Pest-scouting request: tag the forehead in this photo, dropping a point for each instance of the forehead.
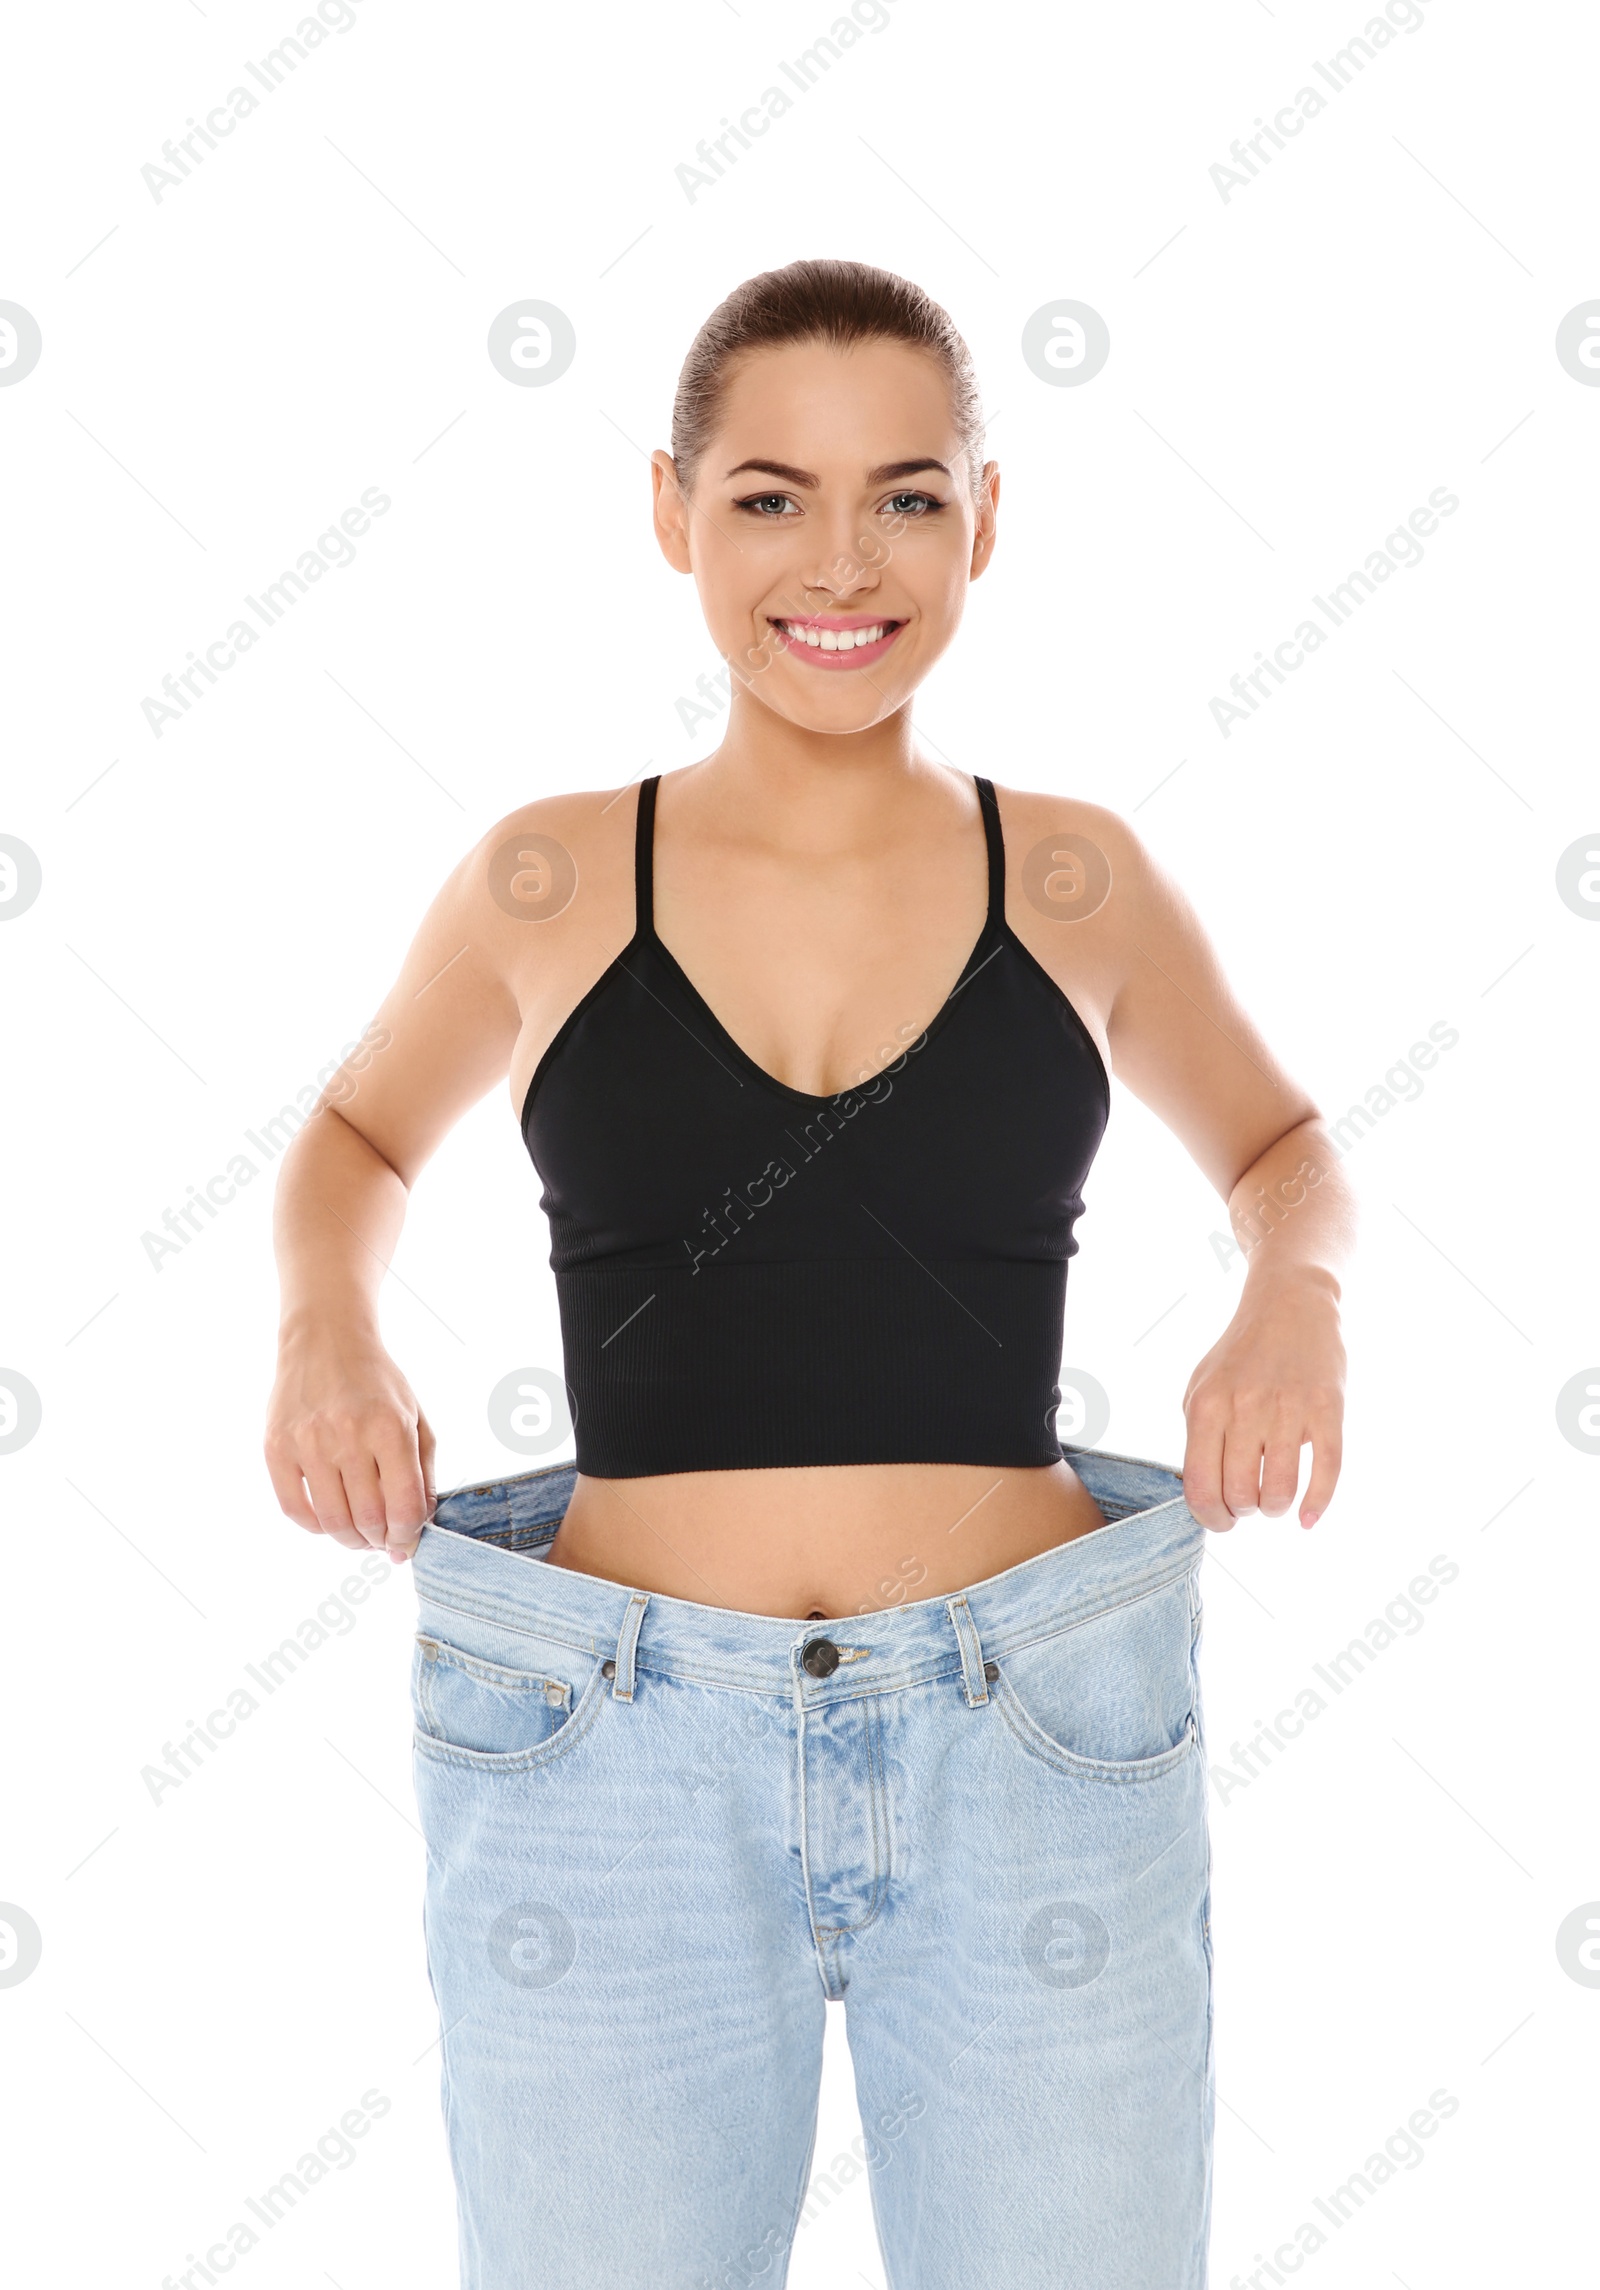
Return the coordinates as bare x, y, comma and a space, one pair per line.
826, 406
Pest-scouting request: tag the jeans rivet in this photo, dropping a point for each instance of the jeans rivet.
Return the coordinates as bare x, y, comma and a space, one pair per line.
608, 1669
991, 1671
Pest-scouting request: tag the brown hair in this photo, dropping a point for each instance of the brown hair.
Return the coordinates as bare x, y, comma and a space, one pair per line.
818, 301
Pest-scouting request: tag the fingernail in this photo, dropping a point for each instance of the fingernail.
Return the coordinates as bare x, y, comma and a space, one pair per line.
1310, 1518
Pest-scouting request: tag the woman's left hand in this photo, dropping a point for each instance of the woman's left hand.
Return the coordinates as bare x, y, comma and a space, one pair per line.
1273, 1380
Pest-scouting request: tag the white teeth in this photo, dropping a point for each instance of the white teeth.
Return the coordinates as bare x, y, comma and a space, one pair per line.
836, 639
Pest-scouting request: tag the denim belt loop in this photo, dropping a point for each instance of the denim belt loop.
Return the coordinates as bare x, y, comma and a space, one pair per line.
627, 1640
966, 1630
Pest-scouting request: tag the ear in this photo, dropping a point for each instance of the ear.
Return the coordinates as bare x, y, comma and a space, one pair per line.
670, 510
988, 508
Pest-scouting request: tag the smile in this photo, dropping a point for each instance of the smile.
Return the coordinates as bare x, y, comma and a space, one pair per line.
829, 642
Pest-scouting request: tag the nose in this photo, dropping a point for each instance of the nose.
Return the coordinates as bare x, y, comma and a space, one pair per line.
843, 567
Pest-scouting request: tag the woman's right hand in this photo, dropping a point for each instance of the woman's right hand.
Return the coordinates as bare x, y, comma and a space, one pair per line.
344, 1424
349, 1451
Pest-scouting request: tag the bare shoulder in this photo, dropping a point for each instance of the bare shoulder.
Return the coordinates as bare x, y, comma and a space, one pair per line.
1032, 819
583, 812
523, 921
561, 862
586, 826
1119, 934
1084, 892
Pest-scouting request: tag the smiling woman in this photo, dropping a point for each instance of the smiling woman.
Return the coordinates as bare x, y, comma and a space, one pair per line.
825, 309
811, 1289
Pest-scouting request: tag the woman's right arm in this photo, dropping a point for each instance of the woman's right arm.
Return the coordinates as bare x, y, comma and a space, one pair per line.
349, 1450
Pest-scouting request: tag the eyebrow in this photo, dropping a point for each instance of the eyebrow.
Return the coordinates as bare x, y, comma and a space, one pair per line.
879, 476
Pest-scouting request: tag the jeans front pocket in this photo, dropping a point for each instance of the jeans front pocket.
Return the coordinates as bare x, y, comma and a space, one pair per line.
1113, 1697
483, 1707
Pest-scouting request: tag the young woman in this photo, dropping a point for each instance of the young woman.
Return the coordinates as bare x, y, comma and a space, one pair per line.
826, 1672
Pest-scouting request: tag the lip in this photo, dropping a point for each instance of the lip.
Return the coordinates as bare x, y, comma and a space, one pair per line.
840, 663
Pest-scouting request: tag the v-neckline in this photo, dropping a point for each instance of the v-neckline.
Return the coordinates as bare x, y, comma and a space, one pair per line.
993, 925
771, 1081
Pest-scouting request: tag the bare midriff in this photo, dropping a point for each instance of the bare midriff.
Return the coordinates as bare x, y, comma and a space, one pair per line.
820, 1541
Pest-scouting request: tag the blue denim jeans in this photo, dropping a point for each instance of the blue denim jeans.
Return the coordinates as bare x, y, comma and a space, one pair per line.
663, 1836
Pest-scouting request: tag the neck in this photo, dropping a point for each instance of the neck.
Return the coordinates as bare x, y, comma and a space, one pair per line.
844, 780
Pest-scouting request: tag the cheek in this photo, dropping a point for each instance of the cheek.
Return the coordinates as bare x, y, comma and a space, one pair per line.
736, 565
728, 595
939, 590
934, 562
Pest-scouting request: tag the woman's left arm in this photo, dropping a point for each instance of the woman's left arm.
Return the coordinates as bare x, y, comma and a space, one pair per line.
1182, 1042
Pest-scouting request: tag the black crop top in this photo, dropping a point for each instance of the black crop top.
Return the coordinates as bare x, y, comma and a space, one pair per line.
749, 1275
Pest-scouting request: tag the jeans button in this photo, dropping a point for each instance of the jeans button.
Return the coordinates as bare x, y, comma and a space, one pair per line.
819, 1656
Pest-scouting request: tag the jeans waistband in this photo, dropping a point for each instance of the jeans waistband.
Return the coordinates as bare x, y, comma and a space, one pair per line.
482, 1555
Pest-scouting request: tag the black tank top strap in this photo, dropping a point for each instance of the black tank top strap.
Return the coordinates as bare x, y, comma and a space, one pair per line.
996, 842
643, 857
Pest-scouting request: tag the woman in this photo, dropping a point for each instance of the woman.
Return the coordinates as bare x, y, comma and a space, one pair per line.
826, 1673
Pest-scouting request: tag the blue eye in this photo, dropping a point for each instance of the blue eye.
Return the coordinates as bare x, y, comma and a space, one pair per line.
911, 504
759, 504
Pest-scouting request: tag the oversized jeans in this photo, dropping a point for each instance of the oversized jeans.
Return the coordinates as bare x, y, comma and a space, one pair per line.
662, 1837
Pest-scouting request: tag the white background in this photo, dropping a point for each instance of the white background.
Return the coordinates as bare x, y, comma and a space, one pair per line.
1292, 371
